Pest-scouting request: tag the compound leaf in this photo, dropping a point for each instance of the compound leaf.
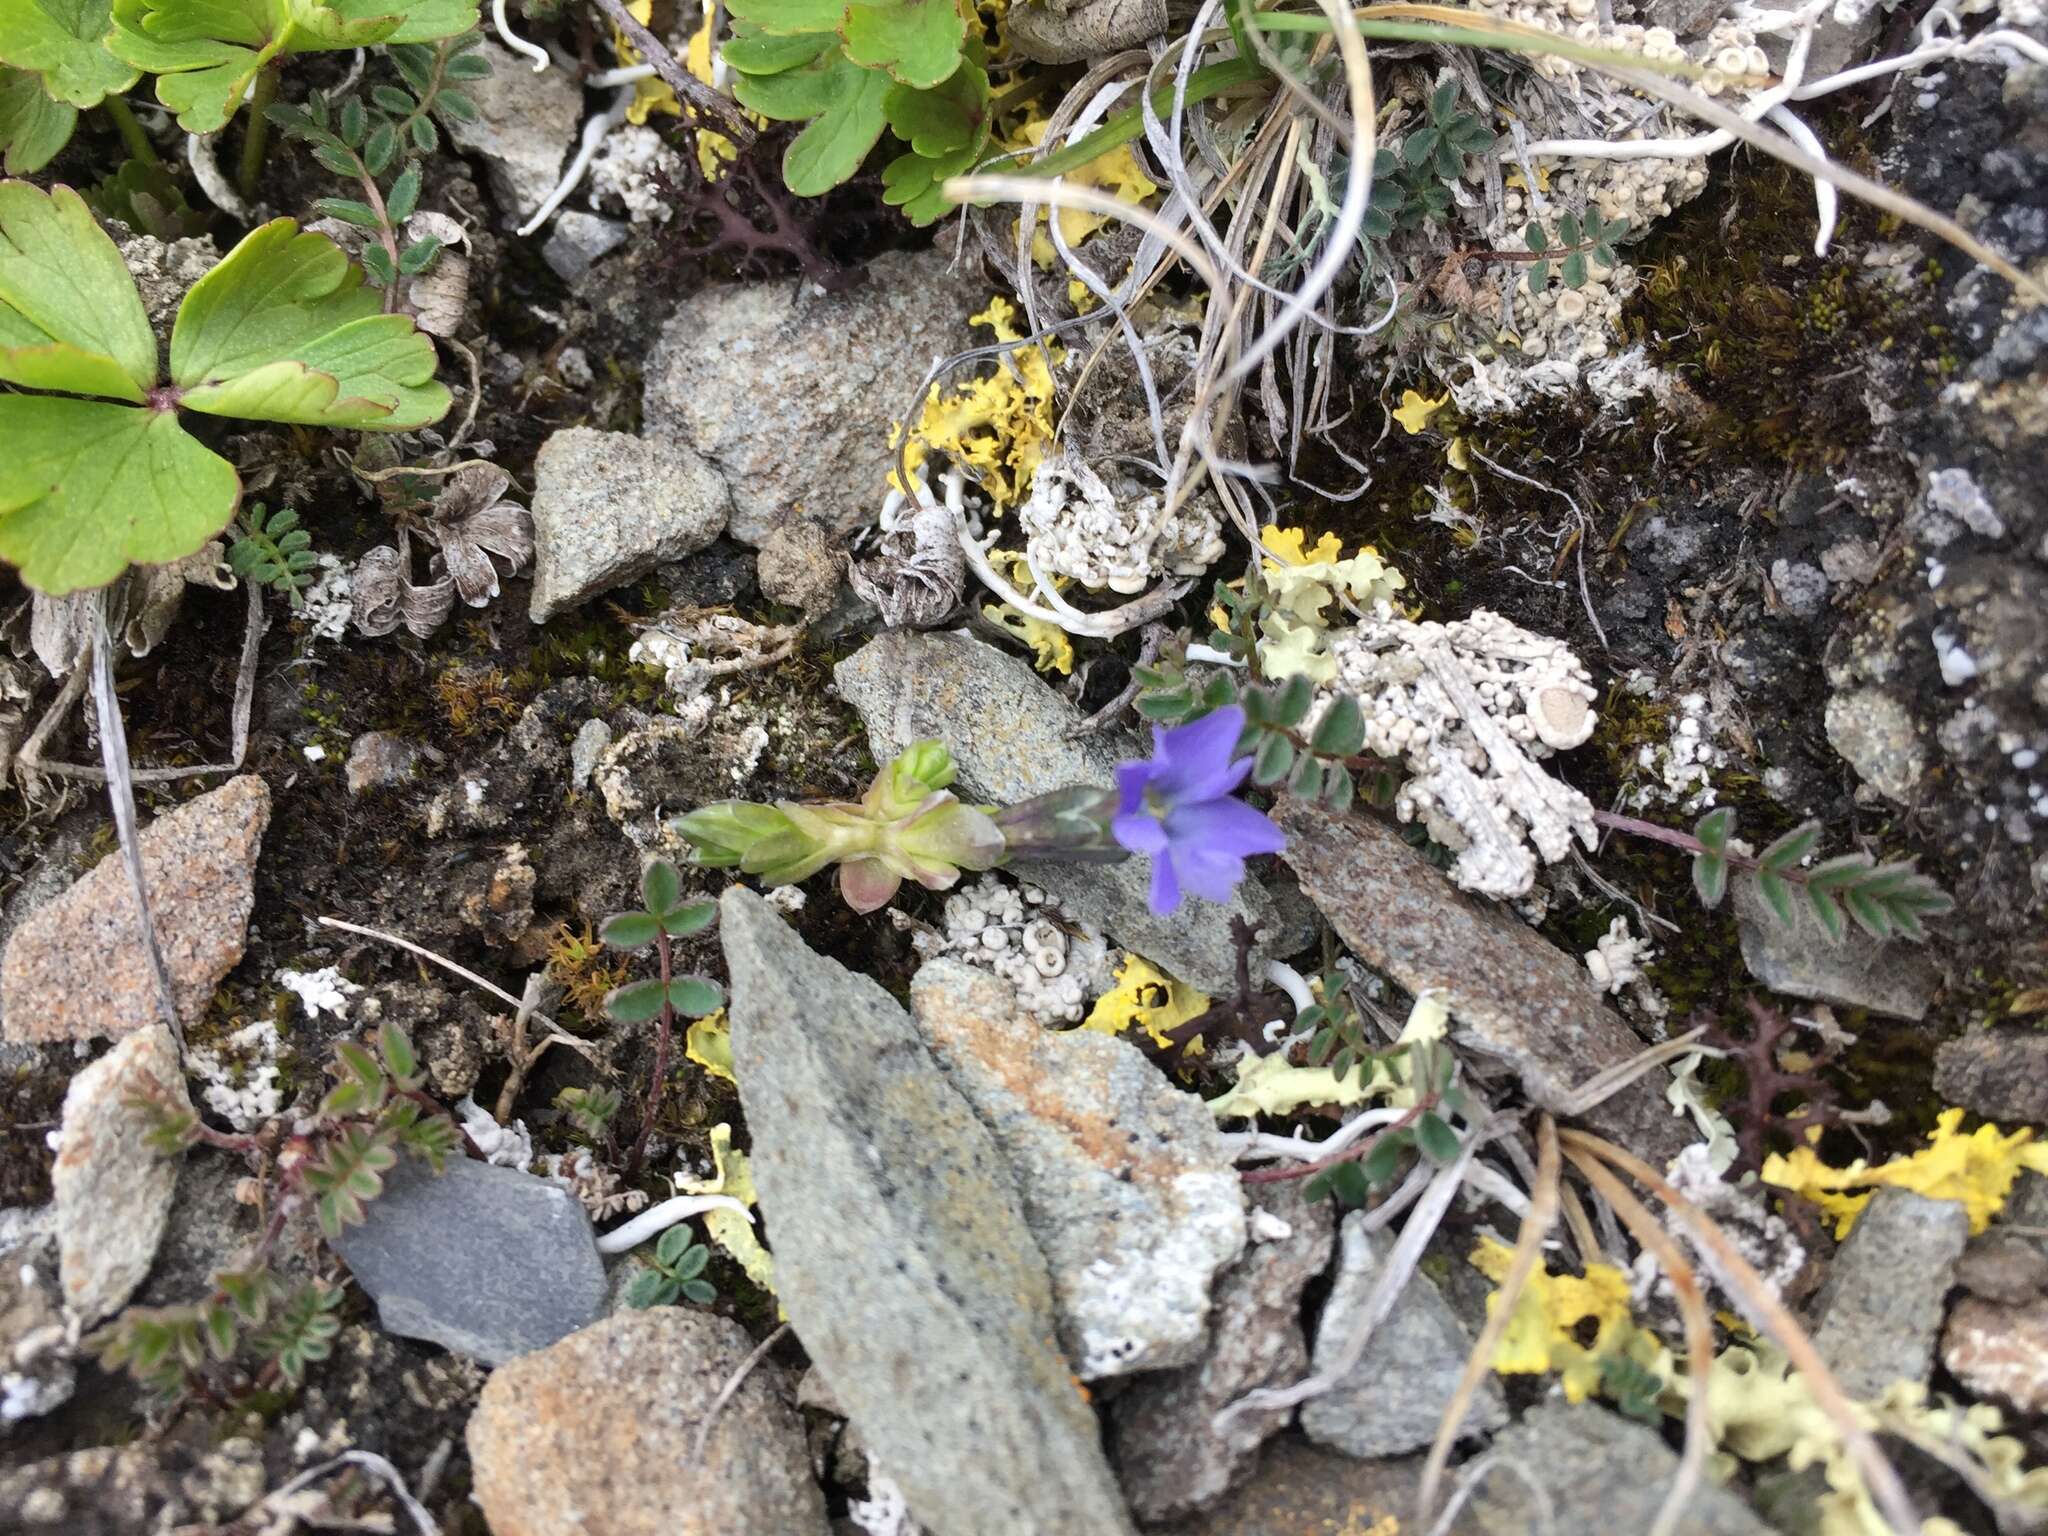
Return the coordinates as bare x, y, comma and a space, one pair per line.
70, 318
916, 41
284, 330
88, 488
61, 40
844, 102
944, 120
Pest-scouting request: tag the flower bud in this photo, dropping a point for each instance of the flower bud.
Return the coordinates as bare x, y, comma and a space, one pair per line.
721, 834
1071, 824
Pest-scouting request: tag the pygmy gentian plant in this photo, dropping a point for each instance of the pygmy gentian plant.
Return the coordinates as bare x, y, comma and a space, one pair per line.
1177, 809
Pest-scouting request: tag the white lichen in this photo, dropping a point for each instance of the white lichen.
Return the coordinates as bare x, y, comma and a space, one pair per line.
628, 172
323, 991
1679, 770
503, 1146
1471, 707
1121, 538
1057, 966
238, 1074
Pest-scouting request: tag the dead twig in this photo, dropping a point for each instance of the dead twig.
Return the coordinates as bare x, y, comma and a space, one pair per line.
731, 121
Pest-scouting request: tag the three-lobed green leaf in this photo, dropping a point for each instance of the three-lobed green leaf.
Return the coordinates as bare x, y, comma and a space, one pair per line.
64, 43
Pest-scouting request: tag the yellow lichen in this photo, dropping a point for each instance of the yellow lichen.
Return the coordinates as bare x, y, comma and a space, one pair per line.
1977, 1168
652, 95
1145, 996
1001, 425
709, 1044
1116, 173
1416, 409
1051, 650
1552, 1312
1305, 581
733, 1175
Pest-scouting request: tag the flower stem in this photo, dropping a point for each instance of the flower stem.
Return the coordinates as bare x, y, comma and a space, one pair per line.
256, 131
1685, 842
665, 1032
122, 116
387, 233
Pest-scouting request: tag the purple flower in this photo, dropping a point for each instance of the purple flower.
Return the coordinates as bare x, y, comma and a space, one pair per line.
1178, 811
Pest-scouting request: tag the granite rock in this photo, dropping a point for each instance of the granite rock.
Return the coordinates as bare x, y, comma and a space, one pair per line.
490, 1262
1513, 996
525, 126
1880, 1308
1011, 738
902, 1255
597, 1434
75, 967
1801, 960
1999, 1074
1126, 1183
608, 507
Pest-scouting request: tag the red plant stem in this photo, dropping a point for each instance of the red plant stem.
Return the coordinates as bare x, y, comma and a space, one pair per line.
1349, 1154
1671, 837
387, 232
661, 1044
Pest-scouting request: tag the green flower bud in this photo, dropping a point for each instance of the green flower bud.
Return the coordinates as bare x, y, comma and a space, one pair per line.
722, 834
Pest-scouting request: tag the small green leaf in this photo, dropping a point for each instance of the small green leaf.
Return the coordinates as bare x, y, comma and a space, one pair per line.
392, 99
1537, 278
1292, 705
762, 53
1573, 270
1868, 912
1338, 788
661, 886
635, 1003
1844, 869
1568, 228
1534, 238
948, 118
405, 194
468, 66
1437, 1141
629, 930
1714, 829
649, 1289
1306, 782
395, 1046
917, 41
1381, 1163
1341, 731
699, 1291
1775, 891
419, 256
426, 138
349, 211
674, 1242
694, 997
695, 917
1789, 851
844, 102
1710, 879
1824, 909
457, 104
1271, 762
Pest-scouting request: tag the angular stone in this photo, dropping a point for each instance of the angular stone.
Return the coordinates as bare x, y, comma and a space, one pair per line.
1299, 1489
486, 1261
792, 393
1011, 737
113, 1189
1602, 1473
1880, 1307
1801, 960
579, 241
2000, 1350
1389, 1403
1170, 1455
608, 507
1066, 34
1998, 1074
378, 759
1512, 995
1126, 1183
76, 967
598, 1434
901, 1250
525, 127
1873, 730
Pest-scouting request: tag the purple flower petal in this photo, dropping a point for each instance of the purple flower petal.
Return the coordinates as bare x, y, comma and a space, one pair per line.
1227, 826
1211, 873
1132, 780
1140, 831
1197, 761
1165, 887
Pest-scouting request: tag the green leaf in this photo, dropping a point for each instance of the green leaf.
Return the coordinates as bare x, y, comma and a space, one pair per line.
392, 99
1714, 829
1710, 879
1306, 782
1538, 276
284, 330
917, 41
1573, 271
1777, 893
695, 917
1568, 228
1338, 788
784, 18
457, 104
33, 128
419, 256
629, 930
944, 120
763, 53
1824, 909
88, 489
694, 997
1419, 146
1443, 101
395, 1046
1534, 238
70, 318
349, 211
1272, 760
699, 1291
672, 1245
1842, 870
1341, 731
1292, 705
1869, 913
1439, 1143
634, 1003
650, 1288
405, 194
661, 886
1168, 707
426, 138
354, 119
845, 103
1791, 849
62, 41
1380, 1164
381, 149
916, 183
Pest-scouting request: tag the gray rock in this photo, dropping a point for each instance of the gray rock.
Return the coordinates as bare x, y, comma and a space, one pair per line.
592, 737
1055, 32
1389, 1403
598, 1434
1169, 1454
1801, 959
901, 1251
1999, 1074
36, 1370
791, 393
2000, 1350
487, 1261
578, 242
378, 759
113, 1189
1873, 730
1010, 737
1512, 996
1126, 1183
1685, 18
609, 507
1299, 1489
1600, 1472
801, 567
75, 967
1880, 1308
1801, 587
525, 127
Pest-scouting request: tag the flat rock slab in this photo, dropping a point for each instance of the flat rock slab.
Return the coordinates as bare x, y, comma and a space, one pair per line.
1801, 960
1126, 1183
1171, 1456
1999, 1074
489, 1262
113, 1189
902, 1254
2000, 1349
1603, 1474
598, 1434
76, 966
1512, 995
1880, 1309
792, 393
1390, 1402
1011, 737
608, 507
525, 127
